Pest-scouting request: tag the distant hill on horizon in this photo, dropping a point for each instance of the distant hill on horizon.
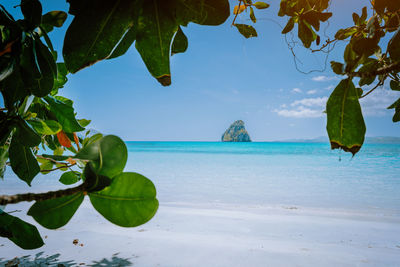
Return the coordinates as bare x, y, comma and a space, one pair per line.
368, 140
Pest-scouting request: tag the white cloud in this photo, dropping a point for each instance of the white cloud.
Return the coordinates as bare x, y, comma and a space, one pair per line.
330, 87
376, 103
296, 90
311, 92
304, 108
323, 78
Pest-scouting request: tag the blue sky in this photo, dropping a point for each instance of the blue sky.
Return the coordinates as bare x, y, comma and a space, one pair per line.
222, 77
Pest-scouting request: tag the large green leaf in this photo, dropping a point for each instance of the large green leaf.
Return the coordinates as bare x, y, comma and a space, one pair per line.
93, 181
32, 11
345, 124
23, 234
55, 213
25, 135
47, 127
156, 28
108, 155
203, 12
129, 201
22, 161
96, 30
65, 115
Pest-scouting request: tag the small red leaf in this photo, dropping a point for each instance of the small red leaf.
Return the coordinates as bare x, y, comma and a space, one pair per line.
63, 139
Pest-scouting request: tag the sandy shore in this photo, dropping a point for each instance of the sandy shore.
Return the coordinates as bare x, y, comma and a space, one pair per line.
224, 235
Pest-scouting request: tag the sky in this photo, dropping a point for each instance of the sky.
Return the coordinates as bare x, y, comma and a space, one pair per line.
222, 77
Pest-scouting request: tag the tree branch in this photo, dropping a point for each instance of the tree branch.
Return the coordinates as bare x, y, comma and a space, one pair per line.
12, 199
384, 70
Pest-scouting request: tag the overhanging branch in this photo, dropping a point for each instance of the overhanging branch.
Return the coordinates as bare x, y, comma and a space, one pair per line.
381, 71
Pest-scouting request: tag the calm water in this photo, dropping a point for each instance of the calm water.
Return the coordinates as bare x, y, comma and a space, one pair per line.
292, 174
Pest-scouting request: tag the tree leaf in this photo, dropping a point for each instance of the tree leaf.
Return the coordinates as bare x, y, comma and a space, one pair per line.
345, 124
65, 115
395, 85
180, 43
261, 5
153, 39
70, 177
252, 16
337, 67
246, 30
63, 139
239, 9
203, 12
108, 155
96, 30
32, 11
3, 160
23, 234
289, 26
25, 135
129, 201
54, 18
124, 44
55, 213
93, 181
46, 127
394, 46
23, 163
306, 34
396, 106
84, 122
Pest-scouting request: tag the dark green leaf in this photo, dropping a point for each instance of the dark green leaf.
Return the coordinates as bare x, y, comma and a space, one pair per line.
46, 127
26, 136
356, 18
23, 234
306, 34
204, 12
93, 181
289, 26
65, 115
252, 16
23, 162
345, 33
394, 46
96, 31
108, 155
261, 5
337, 67
395, 85
369, 65
129, 201
180, 43
32, 11
154, 38
396, 107
3, 160
125, 43
55, 213
363, 15
345, 124
246, 30
70, 177
54, 18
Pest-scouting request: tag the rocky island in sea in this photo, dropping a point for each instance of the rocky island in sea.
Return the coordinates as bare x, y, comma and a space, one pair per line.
236, 133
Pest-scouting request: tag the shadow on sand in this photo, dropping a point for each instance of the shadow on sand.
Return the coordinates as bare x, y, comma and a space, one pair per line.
39, 260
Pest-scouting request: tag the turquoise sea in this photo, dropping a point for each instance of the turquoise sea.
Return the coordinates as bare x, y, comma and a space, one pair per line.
270, 173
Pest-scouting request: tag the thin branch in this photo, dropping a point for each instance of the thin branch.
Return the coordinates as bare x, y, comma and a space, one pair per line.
12, 199
61, 167
380, 83
50, 159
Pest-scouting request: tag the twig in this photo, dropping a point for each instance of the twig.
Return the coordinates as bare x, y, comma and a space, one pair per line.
12, 199
61, 167
380, 83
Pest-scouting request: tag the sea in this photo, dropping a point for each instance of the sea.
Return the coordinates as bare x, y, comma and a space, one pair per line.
259, 173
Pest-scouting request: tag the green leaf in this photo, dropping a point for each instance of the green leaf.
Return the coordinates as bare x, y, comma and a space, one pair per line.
369, 65
180, 43
65, 115
345, 123
23, 162
125, 43
84, 122
46, 127
356, 18
55, 213
246, 30
363, 15
108, 155
396, 107
46, 166
394, 46
345, 33
23, 234
70, 177
61, 79
54, 18
289, 26
96, 31
261, 5
3, 159
93, 181
395, 85
129, 201
337, 67
252, 16
203, 12
306, 34
153, 39
25, 135
32, 11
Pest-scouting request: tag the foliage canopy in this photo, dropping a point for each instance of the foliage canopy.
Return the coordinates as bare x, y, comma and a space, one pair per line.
35, 115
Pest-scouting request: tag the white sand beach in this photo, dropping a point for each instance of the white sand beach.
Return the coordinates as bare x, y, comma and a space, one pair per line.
226, 235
